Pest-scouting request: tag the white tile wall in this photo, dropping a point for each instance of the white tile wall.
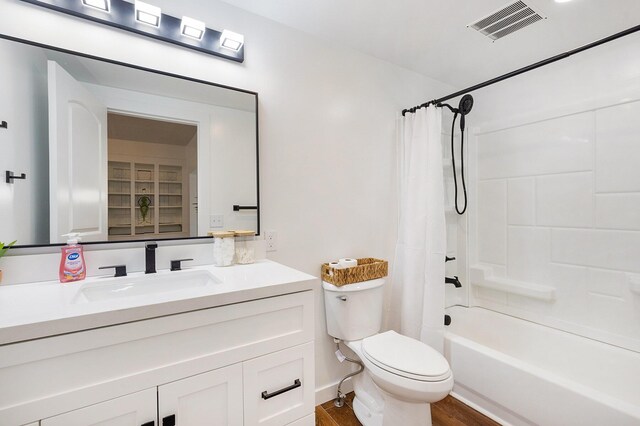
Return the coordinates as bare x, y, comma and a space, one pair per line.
565, 200
559, 205
607, 283
521, 201
618, 250
529, 253
492, 221
618, 211
618, 148
560, 145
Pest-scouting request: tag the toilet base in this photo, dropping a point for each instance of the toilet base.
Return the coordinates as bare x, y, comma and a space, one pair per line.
395, 413
375, 407
366, 416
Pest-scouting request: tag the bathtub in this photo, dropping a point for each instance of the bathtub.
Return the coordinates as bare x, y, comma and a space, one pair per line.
521, 373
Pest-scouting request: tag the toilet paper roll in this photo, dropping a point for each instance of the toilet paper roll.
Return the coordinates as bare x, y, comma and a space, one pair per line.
336, 265
348, 262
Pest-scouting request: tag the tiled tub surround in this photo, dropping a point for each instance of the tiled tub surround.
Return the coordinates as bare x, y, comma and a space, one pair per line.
559, 207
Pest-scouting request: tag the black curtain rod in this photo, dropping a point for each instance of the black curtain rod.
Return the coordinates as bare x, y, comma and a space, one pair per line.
525, 69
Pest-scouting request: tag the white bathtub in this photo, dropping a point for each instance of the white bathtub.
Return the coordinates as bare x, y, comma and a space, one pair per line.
522, 373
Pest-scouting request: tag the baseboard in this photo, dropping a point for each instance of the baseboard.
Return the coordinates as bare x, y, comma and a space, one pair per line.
328, 392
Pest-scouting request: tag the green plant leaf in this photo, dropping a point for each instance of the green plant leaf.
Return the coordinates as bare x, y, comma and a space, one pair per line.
5, 247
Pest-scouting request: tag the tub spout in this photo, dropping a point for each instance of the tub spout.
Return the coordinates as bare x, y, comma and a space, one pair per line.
455, 281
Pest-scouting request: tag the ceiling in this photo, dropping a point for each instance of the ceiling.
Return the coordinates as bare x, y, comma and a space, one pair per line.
138, 129
432, 38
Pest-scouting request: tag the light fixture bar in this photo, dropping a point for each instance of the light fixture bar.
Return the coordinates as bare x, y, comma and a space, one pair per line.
123, 14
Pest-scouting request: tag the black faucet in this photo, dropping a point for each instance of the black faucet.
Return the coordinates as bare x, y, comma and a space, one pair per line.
455, 281
150, 258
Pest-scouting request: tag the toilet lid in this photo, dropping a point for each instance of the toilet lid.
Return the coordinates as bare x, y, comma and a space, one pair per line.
405, 357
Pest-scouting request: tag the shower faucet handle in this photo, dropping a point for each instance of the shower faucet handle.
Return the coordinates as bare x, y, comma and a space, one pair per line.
343, 298
448, 259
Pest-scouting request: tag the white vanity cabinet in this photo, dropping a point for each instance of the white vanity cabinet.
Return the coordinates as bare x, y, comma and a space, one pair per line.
130, 410
213, 398
248, 363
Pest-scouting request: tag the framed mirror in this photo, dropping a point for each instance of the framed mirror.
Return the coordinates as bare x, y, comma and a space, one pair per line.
116, 152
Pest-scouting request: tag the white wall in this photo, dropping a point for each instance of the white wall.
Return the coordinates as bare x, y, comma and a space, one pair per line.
24, 205
327, 123
233, 167
558, 190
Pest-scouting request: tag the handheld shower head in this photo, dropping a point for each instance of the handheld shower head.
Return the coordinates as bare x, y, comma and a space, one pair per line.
465, 105
464, 108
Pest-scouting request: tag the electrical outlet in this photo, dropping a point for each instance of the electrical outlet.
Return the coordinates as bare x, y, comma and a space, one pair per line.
271, 238
216, 221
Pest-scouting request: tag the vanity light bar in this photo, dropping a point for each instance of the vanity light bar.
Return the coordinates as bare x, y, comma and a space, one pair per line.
149, 21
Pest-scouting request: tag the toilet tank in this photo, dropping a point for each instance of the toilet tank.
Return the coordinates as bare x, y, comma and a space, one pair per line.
354, 311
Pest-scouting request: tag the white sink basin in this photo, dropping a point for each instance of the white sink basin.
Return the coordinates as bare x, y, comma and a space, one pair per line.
116, 288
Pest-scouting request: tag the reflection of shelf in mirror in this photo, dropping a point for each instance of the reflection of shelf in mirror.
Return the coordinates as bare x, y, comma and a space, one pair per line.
119, 193
144, 181
145, 193
170, 223
171, 181
125, 225
119, 180
170, 207
175, 195
120, 207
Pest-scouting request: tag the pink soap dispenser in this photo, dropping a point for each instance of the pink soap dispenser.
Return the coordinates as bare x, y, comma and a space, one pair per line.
72, 265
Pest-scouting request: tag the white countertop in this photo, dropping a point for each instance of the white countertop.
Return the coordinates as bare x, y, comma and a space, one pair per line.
31, 311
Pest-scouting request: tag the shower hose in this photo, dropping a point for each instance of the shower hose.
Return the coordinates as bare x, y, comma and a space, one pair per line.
453, 164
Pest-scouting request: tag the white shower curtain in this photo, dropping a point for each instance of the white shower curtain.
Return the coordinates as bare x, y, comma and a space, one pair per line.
417, 302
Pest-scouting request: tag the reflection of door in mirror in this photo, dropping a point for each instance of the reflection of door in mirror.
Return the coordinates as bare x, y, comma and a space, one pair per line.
77, 130
150, 164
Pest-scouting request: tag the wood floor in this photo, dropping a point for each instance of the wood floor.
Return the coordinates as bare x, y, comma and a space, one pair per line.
448, 412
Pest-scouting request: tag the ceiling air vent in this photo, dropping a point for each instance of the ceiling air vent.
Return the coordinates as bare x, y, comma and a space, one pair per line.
513, 17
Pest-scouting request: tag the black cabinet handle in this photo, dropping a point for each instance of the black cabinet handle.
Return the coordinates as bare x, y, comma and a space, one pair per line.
296, 384
169, 420
151, 423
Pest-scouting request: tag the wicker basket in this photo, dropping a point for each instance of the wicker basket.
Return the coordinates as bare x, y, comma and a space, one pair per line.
367, 269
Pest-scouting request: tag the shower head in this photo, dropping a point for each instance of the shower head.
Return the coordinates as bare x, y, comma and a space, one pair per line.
464, 108
465, 105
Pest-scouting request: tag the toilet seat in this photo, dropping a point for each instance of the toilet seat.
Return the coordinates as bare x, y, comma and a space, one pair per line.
405, 357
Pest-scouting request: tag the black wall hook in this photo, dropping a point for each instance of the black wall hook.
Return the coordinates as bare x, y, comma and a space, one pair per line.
4, 125
10, 176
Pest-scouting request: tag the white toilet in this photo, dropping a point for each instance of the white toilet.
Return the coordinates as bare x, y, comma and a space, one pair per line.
402, 376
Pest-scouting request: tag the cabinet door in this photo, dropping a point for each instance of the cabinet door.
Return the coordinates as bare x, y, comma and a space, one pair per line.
279, 387
208, 399
131, 410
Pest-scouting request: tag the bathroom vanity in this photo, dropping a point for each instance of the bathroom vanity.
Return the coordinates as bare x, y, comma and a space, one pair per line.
200, 346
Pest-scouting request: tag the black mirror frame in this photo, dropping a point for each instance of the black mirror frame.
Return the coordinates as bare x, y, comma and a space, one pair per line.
168, 74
